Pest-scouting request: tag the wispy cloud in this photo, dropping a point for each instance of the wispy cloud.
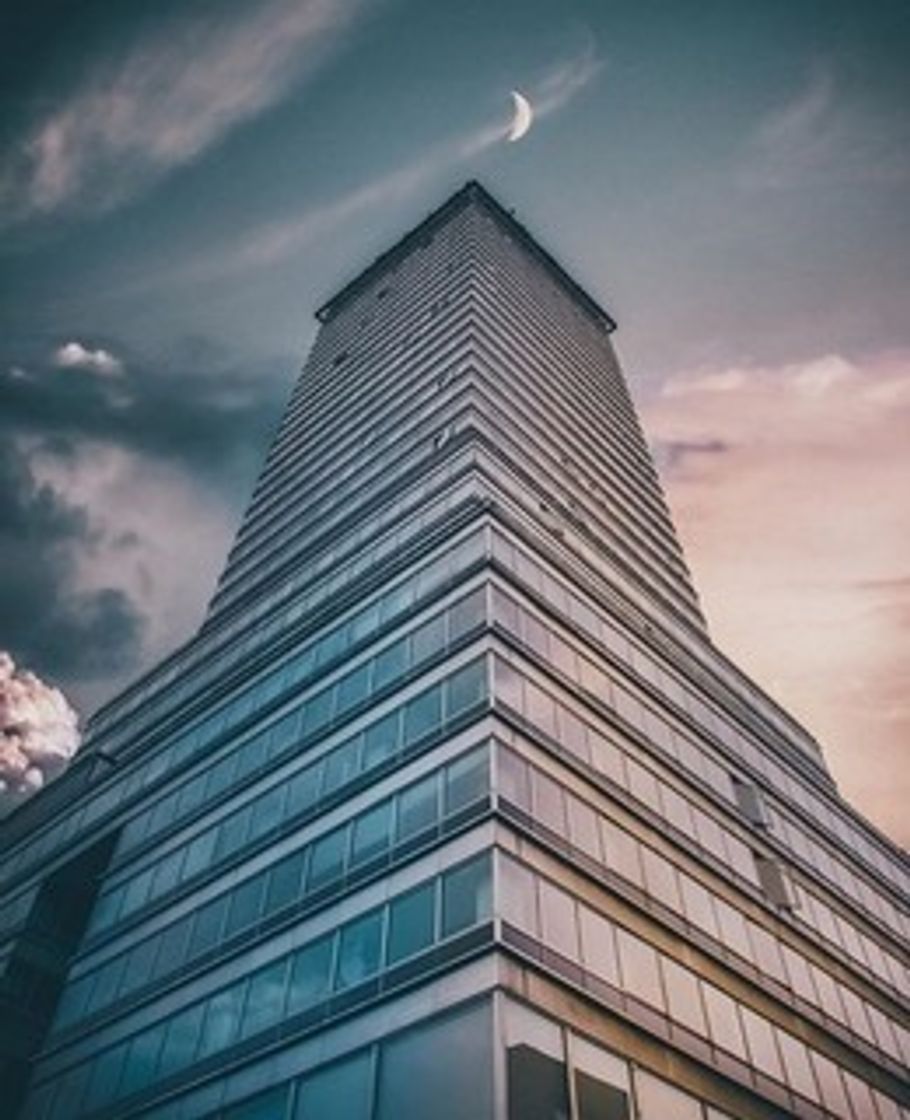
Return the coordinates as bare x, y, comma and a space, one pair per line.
277, 240
163, 103
825, 134
73, 355
797, 532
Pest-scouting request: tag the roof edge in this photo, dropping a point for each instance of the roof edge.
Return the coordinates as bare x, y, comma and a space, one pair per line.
472, 191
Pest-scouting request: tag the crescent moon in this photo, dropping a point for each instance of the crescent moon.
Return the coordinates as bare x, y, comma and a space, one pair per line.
521, 121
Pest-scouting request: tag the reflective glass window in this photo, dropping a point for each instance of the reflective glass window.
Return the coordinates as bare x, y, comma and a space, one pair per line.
465, 895
222, 1020
390, 664
340, 766
380, 741
465, 688
428, 640
352, 689
265, 998
327, 859
422, 715
359, 950
418, 808
284, 882
466, 780
207, 926
411, 922
180, 1040
371, 834
310, 974
442, 1069
341, 1090
245, 904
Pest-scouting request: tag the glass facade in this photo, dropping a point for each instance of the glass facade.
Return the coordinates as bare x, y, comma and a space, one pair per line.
451, 809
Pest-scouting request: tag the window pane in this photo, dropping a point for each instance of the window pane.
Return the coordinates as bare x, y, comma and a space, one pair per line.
265, 998
342, 1090
422, 715
359, 950
303, 789
441, 1069
599, 1101
428, 640
411, 922
418, 808
352, 688
466, 780
390, 664
467, 614
466, 688
310, 973
372, 833
465, 895
340, 766
327, 859
537, 1085
380, 741
142, 1060
683, 998
180, 1040
245, 905
207, 926
222, 1020
284, 882
270, 1105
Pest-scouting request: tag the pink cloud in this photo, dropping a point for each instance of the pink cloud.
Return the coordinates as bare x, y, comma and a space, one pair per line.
790, 489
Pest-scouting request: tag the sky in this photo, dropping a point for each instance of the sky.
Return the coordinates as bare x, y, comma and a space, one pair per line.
182, 185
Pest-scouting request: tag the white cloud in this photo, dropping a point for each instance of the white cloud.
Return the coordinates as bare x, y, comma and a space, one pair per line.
73, 355
39, 733
796, 528
165, 102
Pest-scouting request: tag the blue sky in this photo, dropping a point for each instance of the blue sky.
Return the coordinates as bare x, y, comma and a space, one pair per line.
182, 185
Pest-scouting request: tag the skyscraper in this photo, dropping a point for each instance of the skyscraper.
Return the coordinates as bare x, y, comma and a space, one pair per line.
451, 809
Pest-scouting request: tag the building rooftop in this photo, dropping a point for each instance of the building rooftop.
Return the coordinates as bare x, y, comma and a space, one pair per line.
471, 193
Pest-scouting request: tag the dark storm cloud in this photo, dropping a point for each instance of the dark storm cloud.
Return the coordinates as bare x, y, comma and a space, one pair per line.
207, 421
48, 621
191, 408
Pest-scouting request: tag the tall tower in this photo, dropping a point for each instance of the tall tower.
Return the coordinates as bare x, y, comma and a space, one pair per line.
451, 809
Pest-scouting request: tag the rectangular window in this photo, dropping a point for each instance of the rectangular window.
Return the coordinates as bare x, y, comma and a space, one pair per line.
467, 614
245, 905
466, 780
390, 664
465, 895
352, 689
340, 766
371, 834
310, 974
284, 882
221, 1025
327, 859
422, 715
412, 922
466, 688
265, 998
428, 640
418, 809
359, 950
180, 1040
380, 741
723, 1021
207, 926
